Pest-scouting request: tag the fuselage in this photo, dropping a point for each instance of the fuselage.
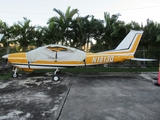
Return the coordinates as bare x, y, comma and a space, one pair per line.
20, 61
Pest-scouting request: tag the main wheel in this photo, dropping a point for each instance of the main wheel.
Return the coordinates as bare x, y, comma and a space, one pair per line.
55, 78
15, 75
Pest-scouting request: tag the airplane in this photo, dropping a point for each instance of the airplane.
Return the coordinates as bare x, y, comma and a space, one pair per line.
57, 56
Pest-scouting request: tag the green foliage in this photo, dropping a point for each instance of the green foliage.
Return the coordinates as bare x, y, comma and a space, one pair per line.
5, 76
61, 27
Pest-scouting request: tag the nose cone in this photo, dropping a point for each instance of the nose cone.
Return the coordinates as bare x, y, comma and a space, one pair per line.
5, 56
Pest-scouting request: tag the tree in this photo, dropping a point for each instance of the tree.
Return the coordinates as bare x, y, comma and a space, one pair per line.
133, 25
24, 33
151, 35
114, 31
41, 36
83, 25
4, 29
151, 38
63, 23
90, 28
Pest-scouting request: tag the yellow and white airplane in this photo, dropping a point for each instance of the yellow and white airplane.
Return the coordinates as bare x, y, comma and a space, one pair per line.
58, 56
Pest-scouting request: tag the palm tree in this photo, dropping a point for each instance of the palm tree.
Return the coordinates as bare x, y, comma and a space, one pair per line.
63, 23
96, 30
133, 25
4, 29
54, 30
41, 36
113, 30
150, 35
83, 26
74, 35
90, 28
24, 33
151, 38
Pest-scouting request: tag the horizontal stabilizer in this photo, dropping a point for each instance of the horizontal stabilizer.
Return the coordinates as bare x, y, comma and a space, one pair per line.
143, 59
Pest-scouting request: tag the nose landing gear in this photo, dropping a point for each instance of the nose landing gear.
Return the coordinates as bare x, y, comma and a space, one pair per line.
15, 74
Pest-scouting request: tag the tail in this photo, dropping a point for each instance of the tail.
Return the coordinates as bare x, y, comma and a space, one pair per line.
130, 42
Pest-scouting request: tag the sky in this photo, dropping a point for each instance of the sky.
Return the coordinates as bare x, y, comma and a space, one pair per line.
39, 11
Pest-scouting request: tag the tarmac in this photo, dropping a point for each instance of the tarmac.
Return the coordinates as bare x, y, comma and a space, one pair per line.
98, 96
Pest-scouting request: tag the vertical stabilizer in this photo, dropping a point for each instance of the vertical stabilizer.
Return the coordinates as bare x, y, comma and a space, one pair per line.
131, 41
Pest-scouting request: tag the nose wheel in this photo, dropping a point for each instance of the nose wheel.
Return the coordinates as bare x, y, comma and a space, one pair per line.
15, 74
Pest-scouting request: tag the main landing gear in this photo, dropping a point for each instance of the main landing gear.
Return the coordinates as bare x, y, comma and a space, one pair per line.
55, 77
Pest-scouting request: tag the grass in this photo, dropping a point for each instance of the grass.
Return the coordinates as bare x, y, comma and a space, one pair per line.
5, 76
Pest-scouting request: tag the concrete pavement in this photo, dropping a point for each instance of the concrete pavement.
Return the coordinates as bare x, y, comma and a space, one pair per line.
112, 96
99, 96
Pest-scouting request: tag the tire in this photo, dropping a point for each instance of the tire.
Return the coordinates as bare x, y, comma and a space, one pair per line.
55, 78
15, 75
